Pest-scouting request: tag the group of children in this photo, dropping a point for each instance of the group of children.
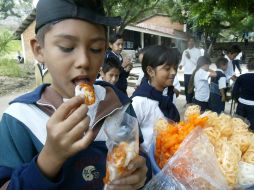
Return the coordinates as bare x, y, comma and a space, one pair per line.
51, 140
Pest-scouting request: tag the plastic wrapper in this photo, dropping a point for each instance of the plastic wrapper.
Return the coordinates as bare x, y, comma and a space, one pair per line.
123, 144
245, 175
193, 167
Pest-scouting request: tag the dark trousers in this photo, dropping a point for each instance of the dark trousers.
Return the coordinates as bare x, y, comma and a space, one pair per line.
203, 105
215, 103
236, 63
186, 85
246, 112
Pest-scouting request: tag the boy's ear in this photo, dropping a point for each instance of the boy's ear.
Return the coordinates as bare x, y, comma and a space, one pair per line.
37, 50
150, 71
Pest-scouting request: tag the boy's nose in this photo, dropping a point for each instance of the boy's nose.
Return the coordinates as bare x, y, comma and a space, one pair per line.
82, 60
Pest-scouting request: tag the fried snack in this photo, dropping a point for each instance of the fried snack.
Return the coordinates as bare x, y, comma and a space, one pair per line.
192, 110
160, 125
223, 124
88, 92
212, 118
212, 133
228, 157
249, 154
242, 139
239, 126
118, 160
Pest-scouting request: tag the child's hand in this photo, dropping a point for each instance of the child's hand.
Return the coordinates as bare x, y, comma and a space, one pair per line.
67, 133
135, 179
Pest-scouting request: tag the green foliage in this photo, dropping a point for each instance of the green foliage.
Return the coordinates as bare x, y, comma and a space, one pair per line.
130, 10
5, 38
17, 8
9, 67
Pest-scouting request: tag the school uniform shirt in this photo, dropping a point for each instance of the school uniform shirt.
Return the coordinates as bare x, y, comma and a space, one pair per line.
219, 82
23, 134
189, 65
122, 83
147, 112
244, 88
230, 69
202, 91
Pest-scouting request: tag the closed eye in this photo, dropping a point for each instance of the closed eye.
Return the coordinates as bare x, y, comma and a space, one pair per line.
66, 49
95, 50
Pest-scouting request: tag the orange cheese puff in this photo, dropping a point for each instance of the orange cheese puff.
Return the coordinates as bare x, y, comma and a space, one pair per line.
88, 92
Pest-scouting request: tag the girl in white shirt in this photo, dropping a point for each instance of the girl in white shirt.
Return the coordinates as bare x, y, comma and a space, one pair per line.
199, 82
159, 65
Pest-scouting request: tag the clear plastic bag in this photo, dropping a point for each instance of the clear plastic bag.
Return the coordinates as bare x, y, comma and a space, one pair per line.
122, 142
245, 175
193, 167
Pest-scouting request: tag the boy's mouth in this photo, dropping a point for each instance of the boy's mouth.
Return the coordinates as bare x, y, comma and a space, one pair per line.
81, 79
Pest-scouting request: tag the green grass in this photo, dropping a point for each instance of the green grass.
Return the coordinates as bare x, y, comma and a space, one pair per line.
14, 46
10, 68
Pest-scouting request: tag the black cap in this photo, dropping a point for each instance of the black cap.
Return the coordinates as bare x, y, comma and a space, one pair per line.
90, 10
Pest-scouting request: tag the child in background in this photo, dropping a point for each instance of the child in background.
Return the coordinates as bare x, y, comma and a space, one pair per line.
110, 71
159, 65
49, 138
218, 86
243, 91
116, 46
199, 82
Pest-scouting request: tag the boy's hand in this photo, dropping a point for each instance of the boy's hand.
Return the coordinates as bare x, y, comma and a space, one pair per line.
135, 179
68, 132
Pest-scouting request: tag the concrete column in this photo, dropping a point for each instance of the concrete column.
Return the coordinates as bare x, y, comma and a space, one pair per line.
142, 39
159, 40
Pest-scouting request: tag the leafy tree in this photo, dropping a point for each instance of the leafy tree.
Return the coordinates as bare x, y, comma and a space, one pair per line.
130, 10
16, 8
5, 38
210, 17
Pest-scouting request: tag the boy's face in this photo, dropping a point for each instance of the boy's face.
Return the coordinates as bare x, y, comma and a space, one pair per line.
232, 56
111, 76
73, 52
224, 67
117, 46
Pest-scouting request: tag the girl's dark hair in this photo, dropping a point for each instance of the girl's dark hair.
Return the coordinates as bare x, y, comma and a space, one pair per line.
155, 56
202, 60
109, 64
234, 49
114, 37
221, 62
250, 64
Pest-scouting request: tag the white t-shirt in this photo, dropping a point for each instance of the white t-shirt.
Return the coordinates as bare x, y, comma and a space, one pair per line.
222, 83
202, 90
230, 69
147, 112
190, 64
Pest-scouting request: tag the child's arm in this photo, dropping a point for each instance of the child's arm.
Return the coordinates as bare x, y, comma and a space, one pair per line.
68, 133
212, 73
223, 96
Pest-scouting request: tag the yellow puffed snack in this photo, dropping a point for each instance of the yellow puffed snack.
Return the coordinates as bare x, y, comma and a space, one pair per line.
160, 125
212, 133
228, 158
191, 110
212, 118
223, 124
243, 139
249, 154
239, 126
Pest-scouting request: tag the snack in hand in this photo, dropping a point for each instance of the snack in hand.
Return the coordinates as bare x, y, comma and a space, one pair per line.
118, 160
88, 91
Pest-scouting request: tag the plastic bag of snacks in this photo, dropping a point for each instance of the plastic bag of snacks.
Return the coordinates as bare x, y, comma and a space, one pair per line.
123, 144
245, 175
193, 167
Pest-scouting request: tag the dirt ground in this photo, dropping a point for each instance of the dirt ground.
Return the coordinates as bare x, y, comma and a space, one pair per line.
10, 85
